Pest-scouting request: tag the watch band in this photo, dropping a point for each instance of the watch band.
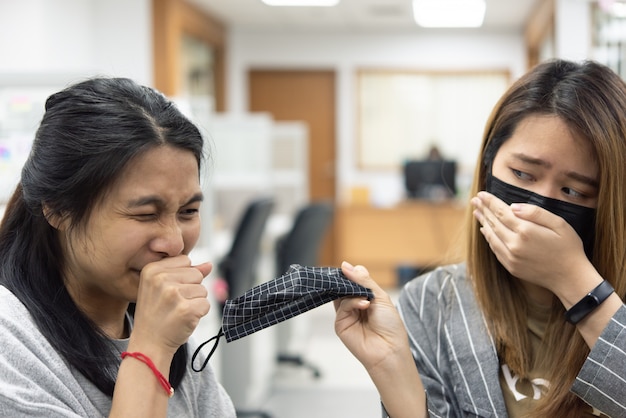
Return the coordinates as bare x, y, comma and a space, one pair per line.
588, 303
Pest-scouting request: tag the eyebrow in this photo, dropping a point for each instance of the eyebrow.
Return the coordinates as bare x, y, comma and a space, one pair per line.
581, 178
157, 201
543, 163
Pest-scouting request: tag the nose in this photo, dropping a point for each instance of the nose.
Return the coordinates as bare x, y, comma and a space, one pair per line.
547, 189
168, 239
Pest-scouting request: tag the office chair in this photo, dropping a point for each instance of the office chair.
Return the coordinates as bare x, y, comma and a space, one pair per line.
301, 245
238, 269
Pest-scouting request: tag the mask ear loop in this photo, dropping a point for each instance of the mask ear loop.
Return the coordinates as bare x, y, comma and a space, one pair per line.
195, 354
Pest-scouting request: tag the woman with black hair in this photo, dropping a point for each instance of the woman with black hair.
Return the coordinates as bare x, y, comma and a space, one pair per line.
98, 295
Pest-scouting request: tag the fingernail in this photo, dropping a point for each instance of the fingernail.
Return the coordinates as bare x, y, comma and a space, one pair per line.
347, 266
516, 207
364, 303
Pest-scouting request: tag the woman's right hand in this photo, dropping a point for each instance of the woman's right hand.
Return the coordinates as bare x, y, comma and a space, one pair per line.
171, 300
371, 330
374, 333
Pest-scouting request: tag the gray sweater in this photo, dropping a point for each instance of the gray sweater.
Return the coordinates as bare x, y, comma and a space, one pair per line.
35, 381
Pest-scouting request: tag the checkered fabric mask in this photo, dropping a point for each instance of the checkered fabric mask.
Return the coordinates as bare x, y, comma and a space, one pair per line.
298, 290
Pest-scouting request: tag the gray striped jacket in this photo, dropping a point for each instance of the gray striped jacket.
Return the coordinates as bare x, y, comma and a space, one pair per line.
458, 363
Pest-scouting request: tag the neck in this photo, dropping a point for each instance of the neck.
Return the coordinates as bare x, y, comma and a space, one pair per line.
109, 316
114, 329
112, 324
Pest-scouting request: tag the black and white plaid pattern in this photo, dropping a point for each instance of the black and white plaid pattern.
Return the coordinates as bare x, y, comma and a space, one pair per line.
298, 290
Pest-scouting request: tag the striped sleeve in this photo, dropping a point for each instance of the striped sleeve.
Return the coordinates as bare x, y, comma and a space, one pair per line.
602, 379
425, 343
448, 345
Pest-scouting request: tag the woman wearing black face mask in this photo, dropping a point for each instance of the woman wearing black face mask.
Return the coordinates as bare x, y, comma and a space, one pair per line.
533, 323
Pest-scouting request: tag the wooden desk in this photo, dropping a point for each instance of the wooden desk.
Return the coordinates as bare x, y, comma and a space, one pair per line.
415, 233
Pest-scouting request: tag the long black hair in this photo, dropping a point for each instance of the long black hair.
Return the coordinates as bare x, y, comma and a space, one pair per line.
89, 133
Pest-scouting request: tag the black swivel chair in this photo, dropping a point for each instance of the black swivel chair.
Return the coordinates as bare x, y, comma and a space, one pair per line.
301, 245
238, 269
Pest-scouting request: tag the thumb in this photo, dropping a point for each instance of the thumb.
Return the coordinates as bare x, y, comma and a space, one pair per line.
360, 275
204, 268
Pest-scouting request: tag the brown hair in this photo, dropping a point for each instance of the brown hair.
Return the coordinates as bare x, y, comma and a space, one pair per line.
591, 100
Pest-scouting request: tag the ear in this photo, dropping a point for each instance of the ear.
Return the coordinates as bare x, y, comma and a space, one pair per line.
55, 220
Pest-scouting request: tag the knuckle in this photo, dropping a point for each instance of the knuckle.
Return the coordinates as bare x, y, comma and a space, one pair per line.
524, 235
205, 309
149, 270
170, 293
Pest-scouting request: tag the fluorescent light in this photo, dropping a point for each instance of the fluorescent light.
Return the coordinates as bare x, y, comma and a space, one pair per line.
314, 3
449, 13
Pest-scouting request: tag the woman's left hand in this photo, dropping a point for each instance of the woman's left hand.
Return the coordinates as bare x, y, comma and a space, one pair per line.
532, 243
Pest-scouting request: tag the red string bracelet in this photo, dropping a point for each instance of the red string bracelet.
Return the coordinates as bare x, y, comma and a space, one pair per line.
162, 380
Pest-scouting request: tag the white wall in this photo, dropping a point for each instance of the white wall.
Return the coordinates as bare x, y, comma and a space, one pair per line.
59, 41
346, 53
573, 32
48, 44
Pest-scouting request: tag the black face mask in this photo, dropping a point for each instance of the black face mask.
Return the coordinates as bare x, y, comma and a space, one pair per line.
298, 290
581, 218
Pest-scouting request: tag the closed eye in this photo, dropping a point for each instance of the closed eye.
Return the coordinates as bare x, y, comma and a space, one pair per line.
190, 212
145, 216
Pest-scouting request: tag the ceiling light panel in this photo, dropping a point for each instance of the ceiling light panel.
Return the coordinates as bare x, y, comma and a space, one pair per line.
449, 13
302, 3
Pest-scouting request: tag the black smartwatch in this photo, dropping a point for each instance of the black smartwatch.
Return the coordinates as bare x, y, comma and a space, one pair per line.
590, 302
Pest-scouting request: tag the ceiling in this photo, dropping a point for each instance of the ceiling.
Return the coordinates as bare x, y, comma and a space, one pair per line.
353, 15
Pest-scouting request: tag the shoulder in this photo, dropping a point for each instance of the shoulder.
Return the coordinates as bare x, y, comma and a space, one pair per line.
13, 313
444, 284
22, 341
17, 325
442, 296
32, 373
6, 297
21, 338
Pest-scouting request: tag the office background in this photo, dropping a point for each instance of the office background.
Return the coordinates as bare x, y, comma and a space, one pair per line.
47, 44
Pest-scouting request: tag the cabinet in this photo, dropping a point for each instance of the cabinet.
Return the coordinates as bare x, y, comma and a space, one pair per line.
414, 233
254, 155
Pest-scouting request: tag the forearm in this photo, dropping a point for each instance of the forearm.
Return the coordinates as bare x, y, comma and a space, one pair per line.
138, 391
400, 387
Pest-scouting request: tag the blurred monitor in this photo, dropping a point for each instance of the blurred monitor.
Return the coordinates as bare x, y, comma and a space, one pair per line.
430, 179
